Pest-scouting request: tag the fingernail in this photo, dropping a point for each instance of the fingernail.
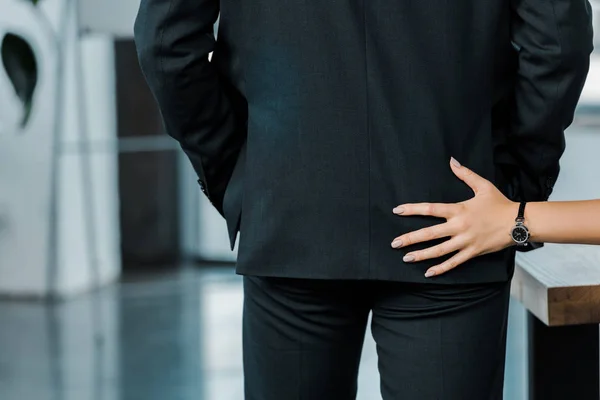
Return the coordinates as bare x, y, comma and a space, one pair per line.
408, 258
429, 274
396, 243
454, 162
398, 210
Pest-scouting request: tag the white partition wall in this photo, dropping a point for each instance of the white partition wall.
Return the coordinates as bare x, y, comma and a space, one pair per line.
26, 158
58, 190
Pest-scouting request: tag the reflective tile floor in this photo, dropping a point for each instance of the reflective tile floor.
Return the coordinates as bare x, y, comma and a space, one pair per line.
168, 337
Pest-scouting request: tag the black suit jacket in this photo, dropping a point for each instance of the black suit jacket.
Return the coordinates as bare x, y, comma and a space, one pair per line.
315, 118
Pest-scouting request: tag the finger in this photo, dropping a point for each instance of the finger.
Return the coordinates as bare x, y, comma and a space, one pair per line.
440, 210
437, 251
423, 235
449, 264
475, 182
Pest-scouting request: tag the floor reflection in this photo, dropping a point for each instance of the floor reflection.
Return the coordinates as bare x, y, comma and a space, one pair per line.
58, 352
175, 337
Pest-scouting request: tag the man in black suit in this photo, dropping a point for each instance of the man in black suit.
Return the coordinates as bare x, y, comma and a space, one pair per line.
314, 119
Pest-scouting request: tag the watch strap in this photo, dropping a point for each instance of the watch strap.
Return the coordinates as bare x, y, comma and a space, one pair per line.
521, 214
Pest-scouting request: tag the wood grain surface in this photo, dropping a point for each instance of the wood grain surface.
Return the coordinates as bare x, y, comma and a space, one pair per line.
560, 284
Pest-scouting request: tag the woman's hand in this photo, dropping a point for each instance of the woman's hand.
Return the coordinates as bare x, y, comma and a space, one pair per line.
475, 227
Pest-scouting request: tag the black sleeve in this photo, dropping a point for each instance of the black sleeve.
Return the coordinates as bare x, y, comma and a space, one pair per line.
174, 39
554, 42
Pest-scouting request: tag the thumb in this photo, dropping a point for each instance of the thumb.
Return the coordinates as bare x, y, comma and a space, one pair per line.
469, 177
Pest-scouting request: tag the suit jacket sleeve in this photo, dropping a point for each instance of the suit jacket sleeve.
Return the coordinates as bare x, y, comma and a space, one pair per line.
554, 42
174, 39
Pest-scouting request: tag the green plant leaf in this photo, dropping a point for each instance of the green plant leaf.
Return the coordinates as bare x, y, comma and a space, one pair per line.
35, 2
21, 67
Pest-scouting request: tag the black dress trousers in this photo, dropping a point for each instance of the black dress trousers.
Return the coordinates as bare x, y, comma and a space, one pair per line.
303, 339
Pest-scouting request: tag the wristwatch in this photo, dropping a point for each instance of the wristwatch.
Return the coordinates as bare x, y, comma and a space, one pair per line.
520, 233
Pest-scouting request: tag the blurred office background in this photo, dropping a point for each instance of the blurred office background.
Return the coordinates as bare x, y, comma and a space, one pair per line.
116, 279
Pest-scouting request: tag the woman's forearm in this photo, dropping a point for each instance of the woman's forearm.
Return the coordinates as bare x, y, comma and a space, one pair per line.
564, 221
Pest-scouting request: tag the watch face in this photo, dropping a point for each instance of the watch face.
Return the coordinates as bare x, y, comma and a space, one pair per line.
520, 234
